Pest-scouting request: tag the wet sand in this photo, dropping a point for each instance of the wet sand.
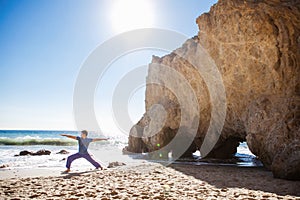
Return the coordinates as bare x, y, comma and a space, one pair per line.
154, 181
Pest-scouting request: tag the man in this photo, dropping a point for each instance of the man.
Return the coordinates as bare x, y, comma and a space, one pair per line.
83, 143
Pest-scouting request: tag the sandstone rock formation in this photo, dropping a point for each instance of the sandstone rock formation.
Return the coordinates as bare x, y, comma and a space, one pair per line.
255, 45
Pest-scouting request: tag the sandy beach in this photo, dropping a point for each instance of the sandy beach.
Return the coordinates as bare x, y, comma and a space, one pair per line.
153, 181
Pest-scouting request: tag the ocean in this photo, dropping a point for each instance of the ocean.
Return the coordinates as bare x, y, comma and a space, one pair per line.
14, 141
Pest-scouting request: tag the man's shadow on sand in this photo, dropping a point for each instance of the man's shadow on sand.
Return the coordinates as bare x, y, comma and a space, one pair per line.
69, 175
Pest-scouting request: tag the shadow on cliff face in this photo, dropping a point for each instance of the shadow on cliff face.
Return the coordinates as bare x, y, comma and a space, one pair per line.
225, 177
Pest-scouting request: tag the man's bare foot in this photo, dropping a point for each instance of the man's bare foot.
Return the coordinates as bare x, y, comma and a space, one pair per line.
67, 171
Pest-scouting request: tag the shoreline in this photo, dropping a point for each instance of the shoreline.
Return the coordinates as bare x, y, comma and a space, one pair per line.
20, 173
154, 181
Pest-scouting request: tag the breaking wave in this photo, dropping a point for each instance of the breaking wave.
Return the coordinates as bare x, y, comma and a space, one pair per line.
37, 141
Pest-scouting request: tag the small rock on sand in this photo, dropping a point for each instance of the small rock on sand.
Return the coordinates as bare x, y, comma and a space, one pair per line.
3, 166
63, 152
115, 164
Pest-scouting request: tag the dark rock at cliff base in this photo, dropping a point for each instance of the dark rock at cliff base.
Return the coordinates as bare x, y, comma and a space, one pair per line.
63, 152
273, 134
38, 153
286, 164
252, 49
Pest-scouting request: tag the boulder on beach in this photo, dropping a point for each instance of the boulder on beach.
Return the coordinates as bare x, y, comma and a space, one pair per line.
38, 153
25, 153
41, 152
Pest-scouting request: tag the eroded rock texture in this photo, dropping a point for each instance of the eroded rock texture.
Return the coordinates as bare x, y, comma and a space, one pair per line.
256, 48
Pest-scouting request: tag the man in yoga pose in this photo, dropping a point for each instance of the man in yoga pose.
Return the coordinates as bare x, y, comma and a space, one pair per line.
83, 143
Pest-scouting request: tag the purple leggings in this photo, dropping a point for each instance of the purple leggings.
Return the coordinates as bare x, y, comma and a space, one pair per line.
87, 156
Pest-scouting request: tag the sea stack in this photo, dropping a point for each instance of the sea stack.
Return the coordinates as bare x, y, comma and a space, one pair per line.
255, 45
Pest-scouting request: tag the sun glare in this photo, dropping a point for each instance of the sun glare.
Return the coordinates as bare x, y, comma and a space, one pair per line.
131, 14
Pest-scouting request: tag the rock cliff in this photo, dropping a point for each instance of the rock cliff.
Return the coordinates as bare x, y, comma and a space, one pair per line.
255, 45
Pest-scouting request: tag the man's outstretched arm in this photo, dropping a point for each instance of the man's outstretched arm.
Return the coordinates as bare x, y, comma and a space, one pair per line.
69, 136
99, 139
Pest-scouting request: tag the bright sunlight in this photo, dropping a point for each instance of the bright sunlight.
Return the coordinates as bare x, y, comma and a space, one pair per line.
132, 14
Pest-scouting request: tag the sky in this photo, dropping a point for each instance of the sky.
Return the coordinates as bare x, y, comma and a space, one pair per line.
44, 43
